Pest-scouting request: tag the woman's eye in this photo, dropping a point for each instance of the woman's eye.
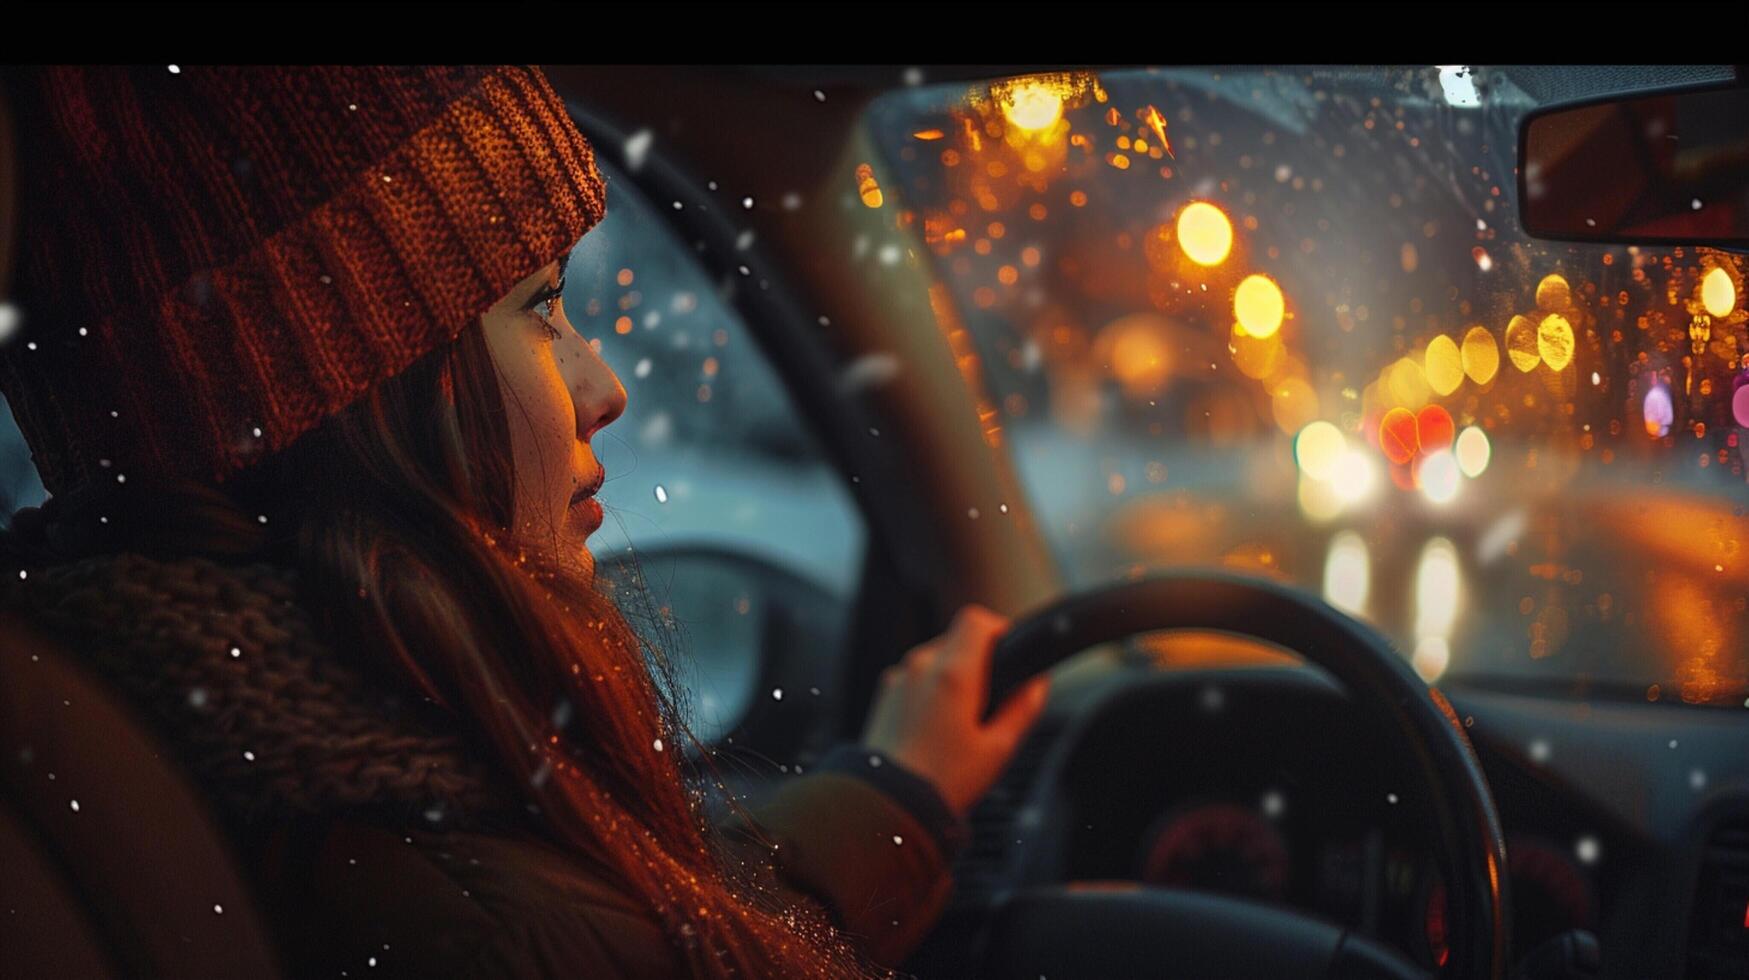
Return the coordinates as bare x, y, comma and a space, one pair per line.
546, 320
545, 309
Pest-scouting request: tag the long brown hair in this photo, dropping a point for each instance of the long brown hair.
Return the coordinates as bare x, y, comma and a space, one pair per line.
395, 515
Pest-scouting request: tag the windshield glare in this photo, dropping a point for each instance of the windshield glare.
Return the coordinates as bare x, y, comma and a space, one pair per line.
1286, 322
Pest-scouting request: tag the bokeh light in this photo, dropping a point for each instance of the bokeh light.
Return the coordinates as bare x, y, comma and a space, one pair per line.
1432, 656
1032, 106
1434, 429
1204, 233
1397, 435
1437, 584
1553, 294
1407, 383
1355, 476
1347, 573
1658, 412
1481, 358
1318, 448
1293, 402
1554, 341
1257, 357
1258, 305
1740, 405
1521, 343
867, 187
1717, 293
1472, 451
1137, 352
1318, 500
1445, 369
1438, 476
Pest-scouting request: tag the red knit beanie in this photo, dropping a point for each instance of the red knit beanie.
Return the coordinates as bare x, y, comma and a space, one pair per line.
214, 260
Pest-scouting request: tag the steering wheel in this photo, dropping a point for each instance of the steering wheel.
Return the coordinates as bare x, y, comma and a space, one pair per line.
1065, 931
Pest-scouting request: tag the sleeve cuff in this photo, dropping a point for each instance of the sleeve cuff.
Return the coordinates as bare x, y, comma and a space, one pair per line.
917, 795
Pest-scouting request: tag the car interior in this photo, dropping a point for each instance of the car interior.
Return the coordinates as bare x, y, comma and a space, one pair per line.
1360, 449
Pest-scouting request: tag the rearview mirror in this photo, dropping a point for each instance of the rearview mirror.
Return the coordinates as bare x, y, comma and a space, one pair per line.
1666, 168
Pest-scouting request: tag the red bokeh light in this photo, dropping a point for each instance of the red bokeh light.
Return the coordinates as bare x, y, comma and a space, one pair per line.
1435, 429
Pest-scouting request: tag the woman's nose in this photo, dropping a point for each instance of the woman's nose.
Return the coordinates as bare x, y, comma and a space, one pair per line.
596, 391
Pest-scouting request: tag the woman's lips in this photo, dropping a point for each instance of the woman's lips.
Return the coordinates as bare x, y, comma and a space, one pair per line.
584, 499
591, 510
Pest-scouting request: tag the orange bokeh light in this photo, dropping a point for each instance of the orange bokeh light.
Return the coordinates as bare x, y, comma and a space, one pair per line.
1398, 435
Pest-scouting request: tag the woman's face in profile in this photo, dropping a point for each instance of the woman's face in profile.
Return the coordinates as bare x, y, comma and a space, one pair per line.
558, 393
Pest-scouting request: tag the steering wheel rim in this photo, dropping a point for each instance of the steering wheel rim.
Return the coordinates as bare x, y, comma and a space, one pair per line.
1472, 849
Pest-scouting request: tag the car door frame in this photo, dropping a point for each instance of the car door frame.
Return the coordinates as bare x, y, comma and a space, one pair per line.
900, 597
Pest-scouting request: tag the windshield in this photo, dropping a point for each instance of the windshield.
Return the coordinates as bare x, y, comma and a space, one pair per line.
1285, 321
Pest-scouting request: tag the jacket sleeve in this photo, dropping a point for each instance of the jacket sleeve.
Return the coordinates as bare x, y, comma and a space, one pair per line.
482, 905
868, 840
479, 906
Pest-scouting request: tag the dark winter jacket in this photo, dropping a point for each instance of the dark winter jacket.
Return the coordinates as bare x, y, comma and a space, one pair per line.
382, 842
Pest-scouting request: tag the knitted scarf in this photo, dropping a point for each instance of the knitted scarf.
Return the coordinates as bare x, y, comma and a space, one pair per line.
225, 665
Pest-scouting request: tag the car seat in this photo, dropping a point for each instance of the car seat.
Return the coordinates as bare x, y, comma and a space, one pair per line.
114, 866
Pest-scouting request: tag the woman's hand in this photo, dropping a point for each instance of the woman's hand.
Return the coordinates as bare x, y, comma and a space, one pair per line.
927, 714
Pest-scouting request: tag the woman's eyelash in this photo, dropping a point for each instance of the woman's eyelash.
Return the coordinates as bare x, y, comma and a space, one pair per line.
543, 307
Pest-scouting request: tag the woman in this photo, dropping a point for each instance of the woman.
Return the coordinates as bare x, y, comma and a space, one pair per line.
294, 368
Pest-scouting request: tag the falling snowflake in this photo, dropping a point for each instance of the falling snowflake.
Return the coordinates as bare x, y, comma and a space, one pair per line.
1587, 849
661, 494
777, 694
637, 147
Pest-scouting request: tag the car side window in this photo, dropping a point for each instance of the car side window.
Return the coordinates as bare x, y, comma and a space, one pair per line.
725, 518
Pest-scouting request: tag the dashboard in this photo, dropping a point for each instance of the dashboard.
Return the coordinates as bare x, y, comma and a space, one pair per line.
1268, 784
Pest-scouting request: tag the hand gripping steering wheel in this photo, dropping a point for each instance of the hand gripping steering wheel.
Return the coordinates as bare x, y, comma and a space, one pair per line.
1062, 932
